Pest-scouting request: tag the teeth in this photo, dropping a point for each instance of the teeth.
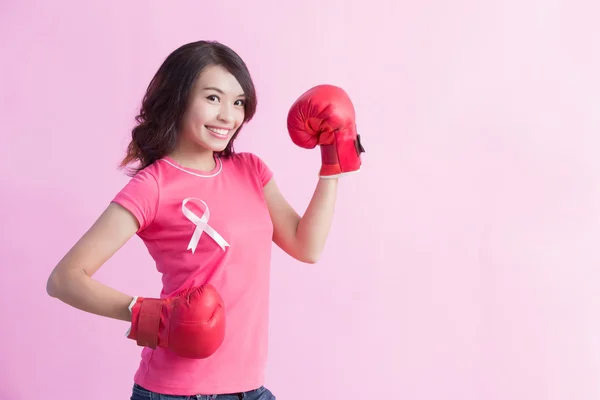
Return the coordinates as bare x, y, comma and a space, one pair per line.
222, 132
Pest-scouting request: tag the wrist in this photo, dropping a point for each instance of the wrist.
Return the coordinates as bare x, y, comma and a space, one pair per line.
331, 178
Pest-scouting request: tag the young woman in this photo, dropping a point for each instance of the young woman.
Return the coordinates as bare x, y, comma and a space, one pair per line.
208, 216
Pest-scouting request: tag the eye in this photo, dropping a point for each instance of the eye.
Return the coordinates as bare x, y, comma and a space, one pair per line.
240, 103
213, 97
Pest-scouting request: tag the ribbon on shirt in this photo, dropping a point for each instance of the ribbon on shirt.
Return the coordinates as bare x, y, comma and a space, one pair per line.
201, 226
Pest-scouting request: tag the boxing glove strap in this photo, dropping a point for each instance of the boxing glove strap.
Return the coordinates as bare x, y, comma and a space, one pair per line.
149, 323
329, 154
359, 146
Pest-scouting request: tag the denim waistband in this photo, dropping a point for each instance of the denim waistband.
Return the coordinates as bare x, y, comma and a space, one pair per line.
141, 393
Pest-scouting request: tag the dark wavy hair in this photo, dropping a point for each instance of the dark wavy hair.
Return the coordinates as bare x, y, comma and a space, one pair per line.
167, 97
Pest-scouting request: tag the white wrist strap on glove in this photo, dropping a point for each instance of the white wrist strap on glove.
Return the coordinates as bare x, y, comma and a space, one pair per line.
130, 307
132, 303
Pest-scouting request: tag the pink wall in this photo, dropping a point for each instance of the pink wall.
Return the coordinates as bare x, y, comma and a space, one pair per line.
464, 260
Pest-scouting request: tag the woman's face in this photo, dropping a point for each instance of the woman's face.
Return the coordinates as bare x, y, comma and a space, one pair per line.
215, 110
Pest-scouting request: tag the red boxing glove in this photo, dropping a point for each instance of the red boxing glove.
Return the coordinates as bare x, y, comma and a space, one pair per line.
324, 116
191, 323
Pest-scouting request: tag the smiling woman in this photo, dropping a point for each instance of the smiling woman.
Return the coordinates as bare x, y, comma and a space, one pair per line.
208, 216
215, 113
200, 83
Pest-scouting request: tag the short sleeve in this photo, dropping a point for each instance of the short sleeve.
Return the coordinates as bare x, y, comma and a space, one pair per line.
140, 197
261, 168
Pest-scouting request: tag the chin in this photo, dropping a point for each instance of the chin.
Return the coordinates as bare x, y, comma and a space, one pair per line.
212, 146
219, 149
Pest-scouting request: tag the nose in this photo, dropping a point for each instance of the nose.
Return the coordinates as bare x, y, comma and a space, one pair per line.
226, 113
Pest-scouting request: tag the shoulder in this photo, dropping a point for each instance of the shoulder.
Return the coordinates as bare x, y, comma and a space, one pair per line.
250, 159
253, 163
140, 195
246, 157
146, 179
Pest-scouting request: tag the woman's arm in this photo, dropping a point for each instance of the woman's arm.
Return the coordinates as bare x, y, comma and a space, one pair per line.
71, 280
302, 237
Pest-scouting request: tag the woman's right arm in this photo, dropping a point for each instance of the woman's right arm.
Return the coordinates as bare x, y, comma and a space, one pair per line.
71, 280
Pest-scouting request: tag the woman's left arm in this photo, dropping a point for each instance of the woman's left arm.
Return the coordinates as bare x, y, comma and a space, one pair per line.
303, 238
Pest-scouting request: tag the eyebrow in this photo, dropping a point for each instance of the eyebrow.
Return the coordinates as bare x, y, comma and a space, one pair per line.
216, 89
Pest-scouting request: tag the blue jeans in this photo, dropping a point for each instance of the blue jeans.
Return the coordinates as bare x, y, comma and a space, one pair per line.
262, 393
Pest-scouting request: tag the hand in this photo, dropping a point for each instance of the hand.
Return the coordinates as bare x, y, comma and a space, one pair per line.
190, 323
325, 116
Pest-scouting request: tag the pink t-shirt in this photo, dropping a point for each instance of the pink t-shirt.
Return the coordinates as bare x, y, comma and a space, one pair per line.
208, 227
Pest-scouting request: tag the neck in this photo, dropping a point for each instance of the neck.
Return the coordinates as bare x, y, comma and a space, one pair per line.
200, 160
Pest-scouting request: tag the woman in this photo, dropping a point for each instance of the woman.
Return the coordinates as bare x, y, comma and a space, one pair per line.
208, 217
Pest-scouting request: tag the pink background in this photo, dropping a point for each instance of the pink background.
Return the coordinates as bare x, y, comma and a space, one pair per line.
463, 263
